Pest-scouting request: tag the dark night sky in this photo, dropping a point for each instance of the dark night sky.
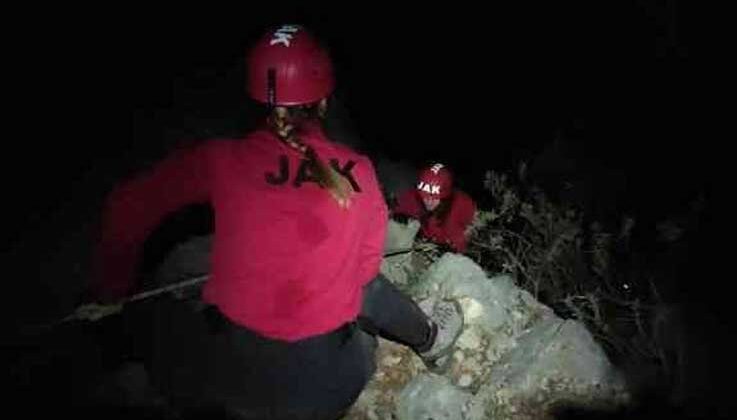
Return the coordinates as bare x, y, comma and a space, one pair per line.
476, 88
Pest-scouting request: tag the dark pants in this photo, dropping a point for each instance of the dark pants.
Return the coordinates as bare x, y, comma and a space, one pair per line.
391, 314
201, 361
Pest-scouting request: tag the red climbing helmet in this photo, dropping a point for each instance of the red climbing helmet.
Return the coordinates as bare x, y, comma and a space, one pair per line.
287, 66
435, 181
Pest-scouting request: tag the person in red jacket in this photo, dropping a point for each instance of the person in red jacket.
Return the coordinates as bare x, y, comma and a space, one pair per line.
445, 212
300, 223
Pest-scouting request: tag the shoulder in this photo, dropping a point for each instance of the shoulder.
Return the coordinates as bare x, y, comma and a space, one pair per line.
463, 196
347, 157
255, 145
462, 199
258, 139
409, 194
408, 199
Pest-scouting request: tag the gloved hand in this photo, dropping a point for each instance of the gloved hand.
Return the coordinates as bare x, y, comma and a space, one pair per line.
426, 245
96, 311
95, 305
445, 247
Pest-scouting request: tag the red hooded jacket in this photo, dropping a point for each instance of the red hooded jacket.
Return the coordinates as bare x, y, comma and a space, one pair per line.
287, 261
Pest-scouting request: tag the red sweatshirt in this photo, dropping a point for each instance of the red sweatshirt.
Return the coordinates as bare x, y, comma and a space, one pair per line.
287, 261
452, 232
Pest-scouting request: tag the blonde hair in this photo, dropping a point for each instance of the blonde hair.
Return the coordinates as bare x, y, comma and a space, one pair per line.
284, 121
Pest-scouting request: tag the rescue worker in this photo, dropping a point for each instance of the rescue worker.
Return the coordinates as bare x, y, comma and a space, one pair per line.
295, 298
444, 212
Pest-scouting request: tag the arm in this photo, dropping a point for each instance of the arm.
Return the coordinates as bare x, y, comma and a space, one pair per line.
460, 218
375, 234
407, 207
133, 210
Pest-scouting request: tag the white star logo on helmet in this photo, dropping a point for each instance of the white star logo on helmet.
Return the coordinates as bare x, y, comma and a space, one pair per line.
284, 35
